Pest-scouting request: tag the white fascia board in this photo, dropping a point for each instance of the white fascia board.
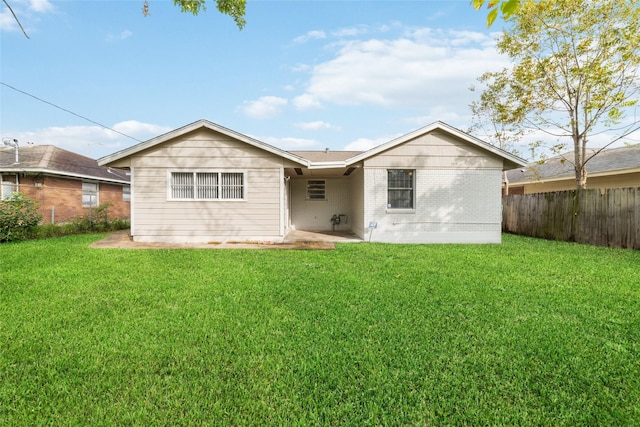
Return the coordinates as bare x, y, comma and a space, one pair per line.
63, 173
326, 165
517, 161
192, 127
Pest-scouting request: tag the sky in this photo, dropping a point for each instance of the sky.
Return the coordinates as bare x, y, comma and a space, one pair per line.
302, 74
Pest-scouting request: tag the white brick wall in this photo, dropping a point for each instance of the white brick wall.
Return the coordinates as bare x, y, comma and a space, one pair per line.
450, 206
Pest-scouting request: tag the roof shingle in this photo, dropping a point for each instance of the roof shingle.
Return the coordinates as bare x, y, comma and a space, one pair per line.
51, 159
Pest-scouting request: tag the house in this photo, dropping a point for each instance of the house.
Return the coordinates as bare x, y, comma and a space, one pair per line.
611, 168
66, 185
207, 183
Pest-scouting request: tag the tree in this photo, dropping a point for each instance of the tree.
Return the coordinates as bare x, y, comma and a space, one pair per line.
488, 120
575, 73
233, 8
506, 7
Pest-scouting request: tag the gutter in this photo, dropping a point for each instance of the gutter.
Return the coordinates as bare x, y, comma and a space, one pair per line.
62, 173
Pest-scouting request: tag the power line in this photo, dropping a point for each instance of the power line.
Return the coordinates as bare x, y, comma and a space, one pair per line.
69, 111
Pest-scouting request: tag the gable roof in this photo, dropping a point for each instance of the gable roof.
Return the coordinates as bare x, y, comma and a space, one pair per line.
510, 159
200, 124
317, 159
608, 162
53, 160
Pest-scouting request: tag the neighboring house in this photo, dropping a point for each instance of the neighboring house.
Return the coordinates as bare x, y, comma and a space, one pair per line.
611, 168
66, 185
206, 183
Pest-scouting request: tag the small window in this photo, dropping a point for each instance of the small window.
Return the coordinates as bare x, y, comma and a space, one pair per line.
207, 186
126, 193
400, 185
89, 194
7, 188
316, 189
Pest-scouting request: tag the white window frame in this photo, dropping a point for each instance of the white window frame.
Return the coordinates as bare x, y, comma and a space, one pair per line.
7, 188
126, 193
412, 190
316, 190
219, 191
88, 193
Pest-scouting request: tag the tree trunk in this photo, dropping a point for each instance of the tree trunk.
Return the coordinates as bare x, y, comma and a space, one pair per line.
581, 177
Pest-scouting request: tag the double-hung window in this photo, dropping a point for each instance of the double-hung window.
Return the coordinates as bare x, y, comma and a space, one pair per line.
400, 188
207, 186
89, 194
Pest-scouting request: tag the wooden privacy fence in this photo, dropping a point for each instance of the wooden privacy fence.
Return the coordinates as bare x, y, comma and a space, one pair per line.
605, 217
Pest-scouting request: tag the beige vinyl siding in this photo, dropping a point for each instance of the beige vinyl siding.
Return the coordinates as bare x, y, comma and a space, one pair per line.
610, 181
315, 215
161, 219
435, 150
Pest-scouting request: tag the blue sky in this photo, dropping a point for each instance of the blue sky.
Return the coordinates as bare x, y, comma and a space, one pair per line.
302, 75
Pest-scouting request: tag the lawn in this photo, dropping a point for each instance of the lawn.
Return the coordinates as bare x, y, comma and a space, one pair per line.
529, 332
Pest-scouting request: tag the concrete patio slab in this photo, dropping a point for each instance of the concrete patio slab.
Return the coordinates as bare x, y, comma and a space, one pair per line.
296, 239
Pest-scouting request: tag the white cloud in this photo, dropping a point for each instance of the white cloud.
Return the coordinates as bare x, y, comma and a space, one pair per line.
364, 144
425, 69
41, 6
7, 21
438, 113
123, 35
306, 102
300, 68
264, 107
311, 35
350, 32
27, 12
316, 125
92, 141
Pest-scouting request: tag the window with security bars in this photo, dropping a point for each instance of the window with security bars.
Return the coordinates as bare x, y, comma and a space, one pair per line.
7, 187
207, 186
316, 189
400, 186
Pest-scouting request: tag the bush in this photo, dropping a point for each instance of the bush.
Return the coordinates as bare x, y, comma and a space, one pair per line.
19, 218
98, 222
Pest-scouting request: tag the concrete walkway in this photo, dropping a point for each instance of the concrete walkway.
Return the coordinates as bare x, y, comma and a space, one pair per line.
296, 239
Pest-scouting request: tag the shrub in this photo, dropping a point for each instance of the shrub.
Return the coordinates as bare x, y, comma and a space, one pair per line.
98, 222
19, 218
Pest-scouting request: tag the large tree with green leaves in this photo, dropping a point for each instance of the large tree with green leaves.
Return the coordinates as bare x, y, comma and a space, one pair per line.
496, 7
233, 8
575, 73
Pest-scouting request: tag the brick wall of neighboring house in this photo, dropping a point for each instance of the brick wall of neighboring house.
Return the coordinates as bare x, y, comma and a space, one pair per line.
60, 199
112, 193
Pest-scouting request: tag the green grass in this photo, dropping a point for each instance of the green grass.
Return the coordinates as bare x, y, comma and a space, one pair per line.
529, 332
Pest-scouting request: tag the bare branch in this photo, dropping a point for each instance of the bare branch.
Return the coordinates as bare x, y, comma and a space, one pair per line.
16, 18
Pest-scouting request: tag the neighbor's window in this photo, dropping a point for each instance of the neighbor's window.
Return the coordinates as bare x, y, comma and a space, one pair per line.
7, 188
316, 189
400, 186
89, 194
126, 193
207, 186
